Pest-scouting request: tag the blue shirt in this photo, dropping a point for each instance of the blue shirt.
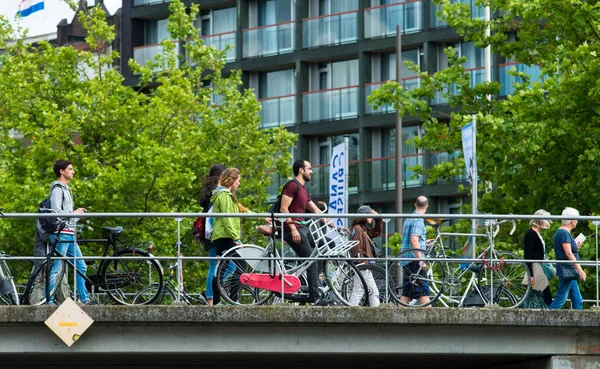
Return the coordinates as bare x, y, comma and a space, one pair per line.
413, 227
561, 236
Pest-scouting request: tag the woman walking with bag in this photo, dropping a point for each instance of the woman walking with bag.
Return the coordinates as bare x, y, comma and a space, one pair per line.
535, 249
364, 235
565, 248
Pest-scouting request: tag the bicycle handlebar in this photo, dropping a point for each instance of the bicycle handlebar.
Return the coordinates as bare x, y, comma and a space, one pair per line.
497, 224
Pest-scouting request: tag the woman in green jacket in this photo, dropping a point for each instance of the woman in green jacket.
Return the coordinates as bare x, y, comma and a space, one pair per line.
226, 231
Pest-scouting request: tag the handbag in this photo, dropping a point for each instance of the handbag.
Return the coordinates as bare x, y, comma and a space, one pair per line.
374, 248
569, 274
548, 269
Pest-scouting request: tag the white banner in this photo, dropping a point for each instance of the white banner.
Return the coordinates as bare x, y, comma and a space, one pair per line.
338, 187
467, 142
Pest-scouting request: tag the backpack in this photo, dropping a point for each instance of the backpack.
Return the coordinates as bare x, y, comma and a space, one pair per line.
48, 225
199, 227
276, 206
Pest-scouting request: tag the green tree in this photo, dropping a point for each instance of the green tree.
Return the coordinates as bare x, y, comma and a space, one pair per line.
538, 147
135, 149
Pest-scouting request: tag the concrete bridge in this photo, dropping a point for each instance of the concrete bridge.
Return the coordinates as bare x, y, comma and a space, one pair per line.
298, 337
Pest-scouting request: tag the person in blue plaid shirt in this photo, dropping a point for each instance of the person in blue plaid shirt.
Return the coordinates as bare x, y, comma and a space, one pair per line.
413, 237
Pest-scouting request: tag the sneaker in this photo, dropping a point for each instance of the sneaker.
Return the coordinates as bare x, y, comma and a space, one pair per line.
91, 302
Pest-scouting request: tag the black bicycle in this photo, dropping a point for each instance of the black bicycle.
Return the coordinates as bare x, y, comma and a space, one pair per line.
133, 278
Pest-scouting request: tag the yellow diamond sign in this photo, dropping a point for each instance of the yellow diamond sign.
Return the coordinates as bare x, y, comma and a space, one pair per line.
69, 322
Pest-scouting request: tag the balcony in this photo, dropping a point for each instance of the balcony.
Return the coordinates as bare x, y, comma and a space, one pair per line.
507, 80
149, 2
142, 54
220, 42
319, 182
330, 29
409, 83
381, 172
476, 12
381, 21
333, 104
278, 111
269, 40
476, 76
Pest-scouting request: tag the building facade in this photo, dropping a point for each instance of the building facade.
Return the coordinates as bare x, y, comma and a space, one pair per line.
313, 63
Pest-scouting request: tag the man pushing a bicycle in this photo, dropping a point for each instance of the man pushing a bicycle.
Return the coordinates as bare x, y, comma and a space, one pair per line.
414, 236
61, 201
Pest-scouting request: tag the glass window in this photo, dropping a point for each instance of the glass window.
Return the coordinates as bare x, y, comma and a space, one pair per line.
156, 31
344, 73
388, 64
279, 83
274, 11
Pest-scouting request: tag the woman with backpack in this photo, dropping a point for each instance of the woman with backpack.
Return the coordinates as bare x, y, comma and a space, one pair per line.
226, 232
210, 183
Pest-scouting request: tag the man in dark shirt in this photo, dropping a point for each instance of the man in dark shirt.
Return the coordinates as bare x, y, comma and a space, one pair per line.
297, 236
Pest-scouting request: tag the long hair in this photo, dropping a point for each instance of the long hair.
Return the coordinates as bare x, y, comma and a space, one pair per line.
229, 176
210, 182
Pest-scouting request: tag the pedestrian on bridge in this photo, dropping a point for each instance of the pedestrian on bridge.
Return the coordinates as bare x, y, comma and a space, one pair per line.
535, 249
565, 248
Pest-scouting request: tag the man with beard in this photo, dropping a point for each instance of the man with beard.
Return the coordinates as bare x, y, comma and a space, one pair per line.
296, 199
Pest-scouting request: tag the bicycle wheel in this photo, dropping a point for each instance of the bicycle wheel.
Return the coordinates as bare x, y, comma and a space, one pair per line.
511, 281
36, 285
229, 272
379, 277
132, 281
8, 290
417, 285
343, 277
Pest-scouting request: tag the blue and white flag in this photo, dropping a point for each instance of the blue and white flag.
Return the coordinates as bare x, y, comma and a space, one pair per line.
27, 7
467, 142
338, 188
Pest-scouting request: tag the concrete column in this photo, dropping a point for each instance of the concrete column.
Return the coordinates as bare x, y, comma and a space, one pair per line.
301, 12
302, 72
365, 145
242, 22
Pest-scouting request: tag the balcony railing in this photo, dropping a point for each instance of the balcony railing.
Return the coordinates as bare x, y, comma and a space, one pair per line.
278, 111
409, 83
319, 183
476, 76
381, 21
269, 40
149, 2
507, 80
476, 12
336, 103
381, 172
220, 41
142, 54
330, 29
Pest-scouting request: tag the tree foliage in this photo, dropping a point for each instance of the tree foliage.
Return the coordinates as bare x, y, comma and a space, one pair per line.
142, 148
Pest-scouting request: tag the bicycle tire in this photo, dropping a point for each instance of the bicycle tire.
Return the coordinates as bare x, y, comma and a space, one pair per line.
36, 285
130, 281
415, 281
380, 279
9, 294
508, 287
341, 276
228, 274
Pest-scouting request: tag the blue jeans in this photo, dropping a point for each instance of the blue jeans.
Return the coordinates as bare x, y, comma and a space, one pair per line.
212, 269
67, 247
567, 288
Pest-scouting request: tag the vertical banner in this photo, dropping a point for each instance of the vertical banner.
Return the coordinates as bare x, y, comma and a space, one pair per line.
467, 142
338, 184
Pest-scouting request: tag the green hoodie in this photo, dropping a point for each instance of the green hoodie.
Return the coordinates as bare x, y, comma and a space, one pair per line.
223, 202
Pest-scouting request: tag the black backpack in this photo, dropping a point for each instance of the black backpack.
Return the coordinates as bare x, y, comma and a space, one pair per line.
49, 225
276, 207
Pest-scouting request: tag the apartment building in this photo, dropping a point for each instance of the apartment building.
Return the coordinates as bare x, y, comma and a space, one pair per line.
313, 63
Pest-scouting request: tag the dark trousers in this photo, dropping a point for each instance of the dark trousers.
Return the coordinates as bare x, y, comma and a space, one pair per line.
304, 249
222, 245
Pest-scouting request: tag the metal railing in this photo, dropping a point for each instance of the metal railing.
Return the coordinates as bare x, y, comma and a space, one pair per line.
330, 29
332, 104
381, 21
273, 39
220, 41
387, 258
278, 111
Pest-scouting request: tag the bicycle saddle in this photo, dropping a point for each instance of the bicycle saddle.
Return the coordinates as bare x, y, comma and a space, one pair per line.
113, 230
